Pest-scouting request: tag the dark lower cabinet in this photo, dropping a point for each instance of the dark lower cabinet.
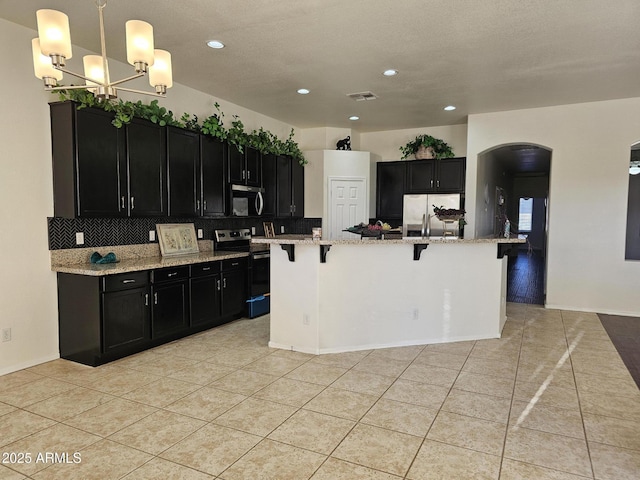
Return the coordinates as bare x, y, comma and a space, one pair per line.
170, 309
205, 289
125, 318
233, 277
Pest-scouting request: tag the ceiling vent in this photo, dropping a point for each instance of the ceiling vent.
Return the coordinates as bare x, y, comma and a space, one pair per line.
362, 96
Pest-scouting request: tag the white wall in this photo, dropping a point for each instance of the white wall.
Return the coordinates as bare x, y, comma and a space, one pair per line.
28, 303
590, 145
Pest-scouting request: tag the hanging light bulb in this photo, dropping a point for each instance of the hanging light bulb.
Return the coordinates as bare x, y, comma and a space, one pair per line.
55, 39
42, 66
139, 44
160, 73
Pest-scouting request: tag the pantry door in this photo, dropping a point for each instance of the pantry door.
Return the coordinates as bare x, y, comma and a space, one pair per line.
347, 205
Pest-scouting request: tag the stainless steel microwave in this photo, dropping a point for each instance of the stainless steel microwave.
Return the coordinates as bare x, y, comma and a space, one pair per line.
246, 201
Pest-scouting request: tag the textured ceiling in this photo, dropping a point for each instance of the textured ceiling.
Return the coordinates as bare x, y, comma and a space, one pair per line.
482, 56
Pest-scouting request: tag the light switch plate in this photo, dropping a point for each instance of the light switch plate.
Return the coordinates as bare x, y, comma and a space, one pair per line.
200, 233
281, 228
152, 235
253, 230
79, 238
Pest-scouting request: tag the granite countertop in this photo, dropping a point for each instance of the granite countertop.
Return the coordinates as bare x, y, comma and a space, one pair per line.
308, 240
132, 258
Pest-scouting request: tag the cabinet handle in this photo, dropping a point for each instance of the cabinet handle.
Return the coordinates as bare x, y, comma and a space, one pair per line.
244, 174
438, 184
294, 209
206, 269
204, 204
132, 203
224, 283
146, 299
173, 274
248, 174
122, 202
218, 283
431, 185
128, 281
235, 264
155, 298
197, 205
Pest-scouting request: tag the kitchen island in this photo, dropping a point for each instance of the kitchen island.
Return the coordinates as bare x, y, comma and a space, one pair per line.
345, 295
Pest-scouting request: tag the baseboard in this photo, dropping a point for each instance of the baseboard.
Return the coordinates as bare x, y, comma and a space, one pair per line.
30, 363
589, 310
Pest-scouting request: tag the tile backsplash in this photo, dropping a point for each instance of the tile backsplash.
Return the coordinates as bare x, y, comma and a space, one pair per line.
130, 231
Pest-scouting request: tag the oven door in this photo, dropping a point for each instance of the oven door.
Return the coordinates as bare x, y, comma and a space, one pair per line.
259, 282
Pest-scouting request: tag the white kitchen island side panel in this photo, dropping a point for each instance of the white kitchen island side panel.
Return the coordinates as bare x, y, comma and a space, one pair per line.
375, 295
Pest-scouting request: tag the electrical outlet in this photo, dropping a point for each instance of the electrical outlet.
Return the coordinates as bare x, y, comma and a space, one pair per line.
253, 230
281, 228
6, 334
79, 238
200, 233
305, 319
152, 235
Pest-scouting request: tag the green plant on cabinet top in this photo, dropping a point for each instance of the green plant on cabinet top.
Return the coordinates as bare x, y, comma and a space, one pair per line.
440, 148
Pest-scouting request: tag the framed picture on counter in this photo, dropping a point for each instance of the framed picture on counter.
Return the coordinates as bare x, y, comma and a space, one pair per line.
177, 239
269, 231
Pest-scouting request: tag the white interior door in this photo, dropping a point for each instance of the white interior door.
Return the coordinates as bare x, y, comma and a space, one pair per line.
347, 205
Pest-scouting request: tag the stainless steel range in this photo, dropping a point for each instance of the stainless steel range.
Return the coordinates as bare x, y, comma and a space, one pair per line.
258, 282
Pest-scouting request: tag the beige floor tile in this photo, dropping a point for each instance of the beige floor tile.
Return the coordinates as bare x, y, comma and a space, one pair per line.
589, 345
4, 409
162, 392
508, 356
613, 463
59, 368
620, 387
439, 461
289, 392
611, 405
430, 374
70, 403
499, 368
163, 469
552, 373
316, 373
157, 432
291, 354
454, 348
617, 370
313, 431
381, 365
488, 384
236, 357
548, 450
15, 379
468, 432
341, 403
547, 394
33, 392
424, 394
110, 417
92, 376
206, 403
104, 460
344, 360
194, 350
274, 365
211, 449
401, 417
8, 474
124, 381
271, 460
202, 373
244, 382
335, 469
378, 448
364, 382
513, 470
398, 353
612, 431
547, 418
19, 424
437, 359
164, 365
479, 405
256, 416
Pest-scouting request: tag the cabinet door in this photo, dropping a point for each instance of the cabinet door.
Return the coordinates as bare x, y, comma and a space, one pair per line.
234, 292
284, 206
125, 318
451, 175
146, 160
205, 300
270, 185
213, 180
297, 185
253, 166
170, 308
236, 165
390, 181
98, 165
183, 152
421, 176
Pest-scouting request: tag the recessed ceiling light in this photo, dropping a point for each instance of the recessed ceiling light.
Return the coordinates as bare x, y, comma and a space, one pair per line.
449, 108
215, 44
354, 117
303, 91
390, 73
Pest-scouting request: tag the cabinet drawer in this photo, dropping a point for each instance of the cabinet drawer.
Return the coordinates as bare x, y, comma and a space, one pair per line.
170, 273
125, 281
234, 264
204, 269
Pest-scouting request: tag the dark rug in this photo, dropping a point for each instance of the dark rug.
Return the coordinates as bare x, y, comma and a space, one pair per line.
625, 335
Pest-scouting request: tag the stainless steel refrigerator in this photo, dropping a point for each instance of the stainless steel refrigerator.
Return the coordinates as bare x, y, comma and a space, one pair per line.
418, 218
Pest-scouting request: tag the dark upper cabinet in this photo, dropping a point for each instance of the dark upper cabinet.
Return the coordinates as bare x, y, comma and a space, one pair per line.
183, 156
283, 180
297, 182
146, 168
390, 188
213, 181
270, 184
245, 168
88, 160
446, 175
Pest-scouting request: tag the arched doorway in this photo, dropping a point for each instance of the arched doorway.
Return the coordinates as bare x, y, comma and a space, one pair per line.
514, 181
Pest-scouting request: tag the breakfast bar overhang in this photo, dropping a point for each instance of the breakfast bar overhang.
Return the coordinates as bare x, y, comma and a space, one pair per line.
332, 296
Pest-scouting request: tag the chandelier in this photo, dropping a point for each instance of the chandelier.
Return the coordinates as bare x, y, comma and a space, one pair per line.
53, 47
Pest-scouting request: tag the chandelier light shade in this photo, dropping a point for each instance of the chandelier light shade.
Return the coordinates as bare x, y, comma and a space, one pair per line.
53, 47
